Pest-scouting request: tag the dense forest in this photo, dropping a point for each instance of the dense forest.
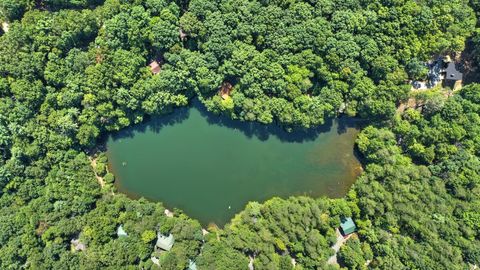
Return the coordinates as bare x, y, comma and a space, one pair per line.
73, 71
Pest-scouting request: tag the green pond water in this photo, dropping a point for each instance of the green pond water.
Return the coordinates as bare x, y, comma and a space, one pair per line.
210, 167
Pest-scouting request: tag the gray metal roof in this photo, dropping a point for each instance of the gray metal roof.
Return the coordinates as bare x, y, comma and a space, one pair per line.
452, 73
165, 242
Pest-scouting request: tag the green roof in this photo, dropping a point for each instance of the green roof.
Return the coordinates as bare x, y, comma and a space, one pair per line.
348, 226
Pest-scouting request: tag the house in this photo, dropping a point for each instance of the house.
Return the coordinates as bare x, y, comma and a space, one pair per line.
5, 27
347, 226
182, 34
165, 242
453, 77
121, 232
452, 74
77, 245
441, 70
225, 90
155, 67
192, 265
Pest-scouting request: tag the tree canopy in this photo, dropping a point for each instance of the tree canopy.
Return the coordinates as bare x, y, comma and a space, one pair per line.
73, 71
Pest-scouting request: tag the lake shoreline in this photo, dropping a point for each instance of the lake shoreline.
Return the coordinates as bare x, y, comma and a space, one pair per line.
202, 167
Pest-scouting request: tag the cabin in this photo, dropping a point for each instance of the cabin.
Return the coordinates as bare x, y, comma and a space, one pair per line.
192, 265
347, 226
155, 67
452, 74
225, 90
121, 232
443, 70
5, 27
165, 242
453, 77
183, 35
77, 245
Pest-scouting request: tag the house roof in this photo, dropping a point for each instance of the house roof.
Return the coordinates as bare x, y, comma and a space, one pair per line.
348, 226
155, 67
452, 73
78, 245
121, 232
225, 90
165, 242
5, 27
192, 265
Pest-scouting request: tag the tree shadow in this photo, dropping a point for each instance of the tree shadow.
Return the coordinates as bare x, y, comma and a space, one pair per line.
264, 131
249, 129
468, 64
154, 123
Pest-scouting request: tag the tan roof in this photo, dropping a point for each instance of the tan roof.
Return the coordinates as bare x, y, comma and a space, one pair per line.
5, 27
155, 67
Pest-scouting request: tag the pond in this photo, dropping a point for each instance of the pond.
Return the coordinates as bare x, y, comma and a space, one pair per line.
210, 166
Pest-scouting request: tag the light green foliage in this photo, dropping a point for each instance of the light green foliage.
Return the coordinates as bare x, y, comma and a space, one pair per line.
148, 236
355, 254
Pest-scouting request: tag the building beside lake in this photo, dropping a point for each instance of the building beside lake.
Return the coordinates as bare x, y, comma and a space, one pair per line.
165, 242
347, 226
443, 71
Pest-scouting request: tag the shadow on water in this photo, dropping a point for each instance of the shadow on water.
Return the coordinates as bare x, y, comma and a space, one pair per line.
155, 123
249, 129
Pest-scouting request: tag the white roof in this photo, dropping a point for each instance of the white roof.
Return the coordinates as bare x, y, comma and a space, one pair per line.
121, 231
165, 242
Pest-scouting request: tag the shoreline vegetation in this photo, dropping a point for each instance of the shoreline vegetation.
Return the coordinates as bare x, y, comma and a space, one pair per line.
72, 71
275, 162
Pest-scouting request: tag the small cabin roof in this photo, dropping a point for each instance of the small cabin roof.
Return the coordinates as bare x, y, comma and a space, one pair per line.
182, 34
5, 27
165, 242
155, 67
78, 245
192, 265
121, 232
452, 73
348, 226
225, 90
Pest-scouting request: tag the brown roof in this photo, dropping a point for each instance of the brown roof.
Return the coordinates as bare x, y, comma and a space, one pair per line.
225, 90
155, 67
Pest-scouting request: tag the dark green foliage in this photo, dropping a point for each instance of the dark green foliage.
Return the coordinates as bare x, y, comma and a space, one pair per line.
423, 210
13, 9
286, 60
354, 254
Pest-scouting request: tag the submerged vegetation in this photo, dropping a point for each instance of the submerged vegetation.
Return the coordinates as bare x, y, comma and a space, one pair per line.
72, 71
